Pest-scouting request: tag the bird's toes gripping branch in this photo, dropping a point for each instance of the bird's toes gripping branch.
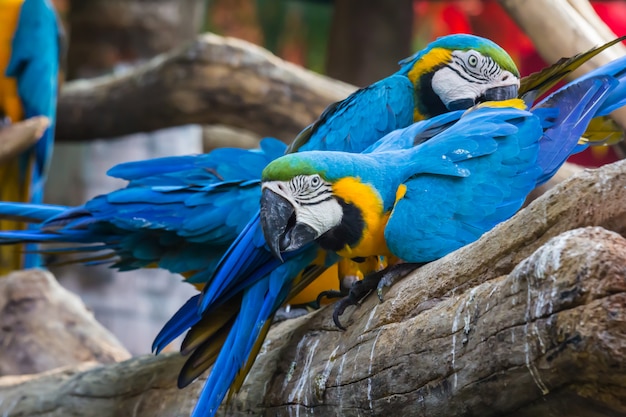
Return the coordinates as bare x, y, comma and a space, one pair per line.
374, 281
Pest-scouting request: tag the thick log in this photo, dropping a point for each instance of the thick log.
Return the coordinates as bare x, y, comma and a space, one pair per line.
212, 80
527, 321
43, 326
142, 386
17, 137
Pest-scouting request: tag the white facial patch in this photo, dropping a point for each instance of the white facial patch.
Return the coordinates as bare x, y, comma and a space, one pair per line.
322, 216
468, 76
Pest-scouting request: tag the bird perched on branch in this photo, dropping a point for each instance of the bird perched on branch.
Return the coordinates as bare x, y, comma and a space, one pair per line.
30, 52
477, 169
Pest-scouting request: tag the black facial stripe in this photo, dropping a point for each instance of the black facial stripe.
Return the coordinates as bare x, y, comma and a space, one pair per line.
464, 75
430, 105
348, 232
480, 74
302, 203
492, 68
315, 195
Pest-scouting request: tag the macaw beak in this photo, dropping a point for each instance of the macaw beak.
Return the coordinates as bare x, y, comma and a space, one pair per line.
505, 92
281, 230
461, 104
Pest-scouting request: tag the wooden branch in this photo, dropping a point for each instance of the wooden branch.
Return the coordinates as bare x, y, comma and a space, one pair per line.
527, 321
43, 326
212, 80
143, 386
17, 137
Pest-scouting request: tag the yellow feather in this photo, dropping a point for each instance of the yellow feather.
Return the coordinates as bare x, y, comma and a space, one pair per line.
517, 103
434, 58
370, 204
328, 280
602, 131
10, 103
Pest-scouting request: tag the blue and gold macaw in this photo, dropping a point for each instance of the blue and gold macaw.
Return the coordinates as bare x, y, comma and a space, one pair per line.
478, 168
143, 224
30, 50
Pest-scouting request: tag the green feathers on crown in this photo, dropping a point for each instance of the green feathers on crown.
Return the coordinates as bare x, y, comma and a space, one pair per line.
287, 167
463, 42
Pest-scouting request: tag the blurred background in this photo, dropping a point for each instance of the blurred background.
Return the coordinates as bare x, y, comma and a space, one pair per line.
354, 41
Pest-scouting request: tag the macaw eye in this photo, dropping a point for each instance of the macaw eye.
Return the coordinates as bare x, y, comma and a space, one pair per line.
472, 60
315, 181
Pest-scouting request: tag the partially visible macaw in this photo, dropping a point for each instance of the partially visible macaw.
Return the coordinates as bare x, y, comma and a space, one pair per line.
30, 51
361, 205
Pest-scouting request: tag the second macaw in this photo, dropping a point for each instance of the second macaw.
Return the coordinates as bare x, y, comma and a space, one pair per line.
30, 51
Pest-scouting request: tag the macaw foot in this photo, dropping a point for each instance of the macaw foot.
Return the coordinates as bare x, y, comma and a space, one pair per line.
345, 286
392, 274
374, 281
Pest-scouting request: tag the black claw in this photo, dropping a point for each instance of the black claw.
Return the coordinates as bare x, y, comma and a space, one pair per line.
374, 281
340, 307
330, 294
358, 291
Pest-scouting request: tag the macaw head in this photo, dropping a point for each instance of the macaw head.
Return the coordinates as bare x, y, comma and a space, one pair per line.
301, 202
456, 72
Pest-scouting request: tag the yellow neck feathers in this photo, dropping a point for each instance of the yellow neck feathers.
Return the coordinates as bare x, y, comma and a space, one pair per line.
370, 204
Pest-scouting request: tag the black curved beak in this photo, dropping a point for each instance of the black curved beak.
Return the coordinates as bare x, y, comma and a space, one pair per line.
502, 93
280, 228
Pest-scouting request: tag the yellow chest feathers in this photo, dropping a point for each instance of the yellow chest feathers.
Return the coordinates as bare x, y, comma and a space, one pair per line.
370, 205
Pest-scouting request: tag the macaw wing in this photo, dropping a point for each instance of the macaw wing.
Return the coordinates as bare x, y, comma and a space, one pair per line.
472, 176
220, 165
577, 103
415, 134
358, 121
259, 303
180, 213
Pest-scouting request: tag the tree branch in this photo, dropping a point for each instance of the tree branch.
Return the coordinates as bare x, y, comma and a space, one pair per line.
212, 80
17, 137
529, 320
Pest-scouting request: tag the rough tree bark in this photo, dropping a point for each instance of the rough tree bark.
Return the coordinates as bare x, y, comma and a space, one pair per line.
213, 80
530, 320
43, 326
